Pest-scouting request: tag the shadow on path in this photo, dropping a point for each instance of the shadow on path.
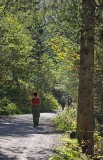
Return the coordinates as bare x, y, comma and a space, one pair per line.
22, 126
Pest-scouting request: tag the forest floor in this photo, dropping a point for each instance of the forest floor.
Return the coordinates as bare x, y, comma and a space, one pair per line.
20, 141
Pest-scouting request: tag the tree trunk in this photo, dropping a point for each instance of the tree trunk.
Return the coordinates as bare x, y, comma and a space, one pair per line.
85, 118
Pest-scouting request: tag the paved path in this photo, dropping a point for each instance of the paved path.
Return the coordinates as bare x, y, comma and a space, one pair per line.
20, 141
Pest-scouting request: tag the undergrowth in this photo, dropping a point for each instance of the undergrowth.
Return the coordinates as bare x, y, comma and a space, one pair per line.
16, 99
66, 122
69, 151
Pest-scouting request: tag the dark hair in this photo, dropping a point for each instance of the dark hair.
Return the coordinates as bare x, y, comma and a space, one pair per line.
35, 93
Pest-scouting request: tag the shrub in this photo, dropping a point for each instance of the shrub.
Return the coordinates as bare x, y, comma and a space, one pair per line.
49, 103
65, 121
69, 151
18, 101
7, 107
98, 145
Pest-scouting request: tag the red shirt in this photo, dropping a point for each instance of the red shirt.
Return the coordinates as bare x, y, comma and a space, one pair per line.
36, 101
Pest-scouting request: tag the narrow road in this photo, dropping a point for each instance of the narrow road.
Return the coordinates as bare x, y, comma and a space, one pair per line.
20, 141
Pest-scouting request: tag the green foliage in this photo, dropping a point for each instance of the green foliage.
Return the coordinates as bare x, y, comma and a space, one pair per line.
7, 107
66, 121
64, 19
49, 103
69, 151
66, 65
97, 137
98, 145
39, 49
26, 55
45, 74
17, 95
48, 70
16, 45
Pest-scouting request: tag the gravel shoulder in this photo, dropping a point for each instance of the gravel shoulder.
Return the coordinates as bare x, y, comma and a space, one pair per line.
20, 141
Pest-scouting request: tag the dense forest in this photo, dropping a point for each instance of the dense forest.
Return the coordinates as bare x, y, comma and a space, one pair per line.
54, 47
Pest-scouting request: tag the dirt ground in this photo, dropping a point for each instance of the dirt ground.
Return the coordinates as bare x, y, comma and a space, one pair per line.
20, 141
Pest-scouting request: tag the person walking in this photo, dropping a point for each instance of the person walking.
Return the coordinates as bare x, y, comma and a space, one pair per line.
63, 102
69, 101
36, 101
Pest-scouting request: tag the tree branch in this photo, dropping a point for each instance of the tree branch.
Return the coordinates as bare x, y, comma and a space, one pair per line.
98, 45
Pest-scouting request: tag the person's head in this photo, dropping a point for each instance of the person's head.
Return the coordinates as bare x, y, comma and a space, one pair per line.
35, 93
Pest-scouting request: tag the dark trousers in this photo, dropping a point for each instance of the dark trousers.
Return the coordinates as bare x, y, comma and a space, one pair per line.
63, 105
36, 115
